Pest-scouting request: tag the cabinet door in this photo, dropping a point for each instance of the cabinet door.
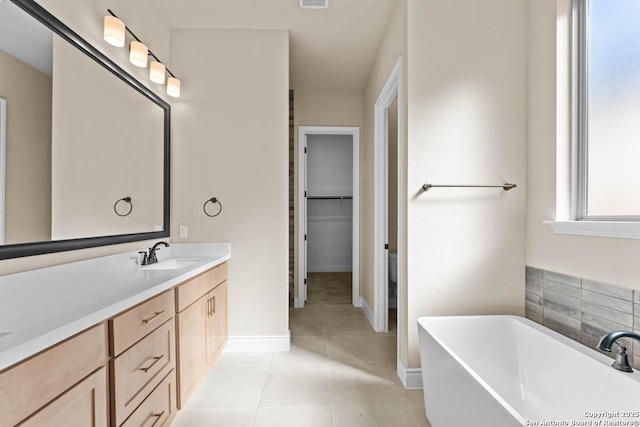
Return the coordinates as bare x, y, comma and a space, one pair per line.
83, 405
216, 321
192, 348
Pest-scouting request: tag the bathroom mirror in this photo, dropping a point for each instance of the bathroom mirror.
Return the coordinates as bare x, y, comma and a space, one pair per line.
84, 147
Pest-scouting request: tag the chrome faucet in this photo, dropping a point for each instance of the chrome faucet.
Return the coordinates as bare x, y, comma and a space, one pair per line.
151, 258
606, 342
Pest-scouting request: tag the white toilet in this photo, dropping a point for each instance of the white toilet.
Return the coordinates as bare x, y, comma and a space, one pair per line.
393, 279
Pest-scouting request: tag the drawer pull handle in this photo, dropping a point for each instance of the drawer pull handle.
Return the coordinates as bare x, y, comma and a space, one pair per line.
152, 318
209, 307
155, 360
157, 417
214, 304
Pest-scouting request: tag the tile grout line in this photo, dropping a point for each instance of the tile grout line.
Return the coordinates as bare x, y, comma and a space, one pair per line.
264, 385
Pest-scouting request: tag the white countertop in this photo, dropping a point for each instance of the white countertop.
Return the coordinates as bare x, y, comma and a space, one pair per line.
40, 308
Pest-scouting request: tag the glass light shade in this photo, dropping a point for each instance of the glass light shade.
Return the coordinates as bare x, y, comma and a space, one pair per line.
114, 31
157, 72
138, 54
173, 87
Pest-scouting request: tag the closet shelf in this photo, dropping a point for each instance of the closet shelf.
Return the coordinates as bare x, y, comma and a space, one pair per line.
330, 197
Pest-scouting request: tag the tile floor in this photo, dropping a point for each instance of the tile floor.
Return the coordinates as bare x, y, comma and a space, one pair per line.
338, 373
328, 288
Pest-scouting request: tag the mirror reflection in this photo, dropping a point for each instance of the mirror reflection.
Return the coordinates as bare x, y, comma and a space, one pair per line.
76, 140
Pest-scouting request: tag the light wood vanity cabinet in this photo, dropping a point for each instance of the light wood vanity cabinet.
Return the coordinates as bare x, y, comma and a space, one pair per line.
64, 385
143, 364
201, 326
130, 371
216, 321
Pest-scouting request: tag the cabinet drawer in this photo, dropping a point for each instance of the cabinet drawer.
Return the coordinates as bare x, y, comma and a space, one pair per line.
191, 291
140, 369
159, 409
32, 384
83, 405
130, 326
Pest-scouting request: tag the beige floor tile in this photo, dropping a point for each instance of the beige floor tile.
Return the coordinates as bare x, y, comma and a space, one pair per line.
307, 311
342, 310
381, 415
215, 418
295, 417
307, 327
297, 385
230, 387
420, 415
415, 397
388, 347
366, 385
245, 358
347, 326
304, 350
354, 350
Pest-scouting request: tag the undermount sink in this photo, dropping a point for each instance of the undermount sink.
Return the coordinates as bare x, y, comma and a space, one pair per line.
171, 264
4, 334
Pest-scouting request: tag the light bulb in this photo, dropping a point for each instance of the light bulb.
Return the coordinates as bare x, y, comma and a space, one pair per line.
173, 87
114, 31
138, 53
157, 72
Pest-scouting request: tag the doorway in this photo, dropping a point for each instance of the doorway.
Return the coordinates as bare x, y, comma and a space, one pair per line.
387, 224
328, 214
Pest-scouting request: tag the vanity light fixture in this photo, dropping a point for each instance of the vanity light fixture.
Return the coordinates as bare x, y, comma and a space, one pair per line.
173, 87
157, 72
114, 34
113, 31
138, 53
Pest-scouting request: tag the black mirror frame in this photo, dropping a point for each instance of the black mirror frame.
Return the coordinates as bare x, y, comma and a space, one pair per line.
40, 248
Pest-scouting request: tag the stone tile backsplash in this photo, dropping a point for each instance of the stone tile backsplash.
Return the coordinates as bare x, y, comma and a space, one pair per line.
581, 309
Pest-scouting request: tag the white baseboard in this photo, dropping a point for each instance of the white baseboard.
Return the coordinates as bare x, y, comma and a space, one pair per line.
368, 312
410, 378
358, 302
258, 343
329, 268
298, 302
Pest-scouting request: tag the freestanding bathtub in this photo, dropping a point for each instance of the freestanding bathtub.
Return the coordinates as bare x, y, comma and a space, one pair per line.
495, 371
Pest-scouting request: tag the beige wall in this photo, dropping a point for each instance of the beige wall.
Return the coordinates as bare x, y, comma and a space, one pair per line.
607, 260
107, 144
231, 141
392, 47
467, 124
86, 19
28, 139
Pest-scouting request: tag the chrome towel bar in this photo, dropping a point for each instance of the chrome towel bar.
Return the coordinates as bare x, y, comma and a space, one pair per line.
505, 186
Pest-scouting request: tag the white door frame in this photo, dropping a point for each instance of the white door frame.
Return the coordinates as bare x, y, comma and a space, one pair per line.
3, 164
303, 132
391, 89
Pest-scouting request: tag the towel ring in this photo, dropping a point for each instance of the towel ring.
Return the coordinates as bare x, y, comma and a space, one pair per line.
126, 200
213, 201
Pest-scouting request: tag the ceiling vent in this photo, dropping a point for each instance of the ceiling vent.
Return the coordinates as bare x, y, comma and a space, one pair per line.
314, 4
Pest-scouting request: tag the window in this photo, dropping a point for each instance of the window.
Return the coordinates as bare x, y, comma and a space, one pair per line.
608, 111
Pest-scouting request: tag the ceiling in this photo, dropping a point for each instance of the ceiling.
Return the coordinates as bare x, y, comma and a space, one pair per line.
330, 49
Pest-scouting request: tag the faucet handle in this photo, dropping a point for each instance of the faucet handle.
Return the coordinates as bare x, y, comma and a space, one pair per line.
622, 360
144, 258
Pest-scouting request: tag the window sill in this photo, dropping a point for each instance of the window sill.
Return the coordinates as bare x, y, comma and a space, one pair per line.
615, 229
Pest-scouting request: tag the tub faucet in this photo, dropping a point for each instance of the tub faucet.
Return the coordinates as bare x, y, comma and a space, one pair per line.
151, 258
606, 342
